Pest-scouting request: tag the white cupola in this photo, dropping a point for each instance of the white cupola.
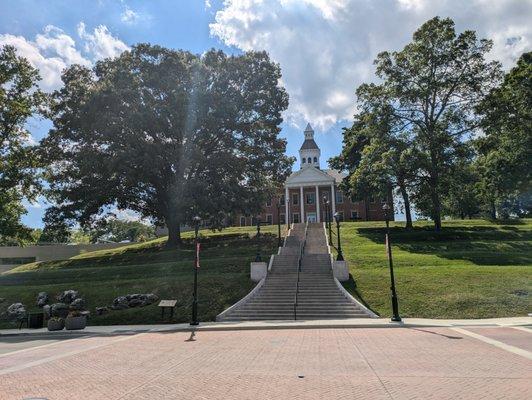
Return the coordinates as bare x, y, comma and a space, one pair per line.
309, 153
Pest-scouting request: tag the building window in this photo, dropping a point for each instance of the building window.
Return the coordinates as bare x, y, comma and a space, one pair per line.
253, 221
283, 219
339, 197
295, 199
315, 159
311, 198
269, 203
341, 214
295, 218
304, 160
269, 219
354, 215
309, 160
242, 221
281, 200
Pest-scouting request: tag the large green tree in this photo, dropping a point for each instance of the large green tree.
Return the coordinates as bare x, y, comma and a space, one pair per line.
20, 99
377, 155
432, 87
168, 134
505, 149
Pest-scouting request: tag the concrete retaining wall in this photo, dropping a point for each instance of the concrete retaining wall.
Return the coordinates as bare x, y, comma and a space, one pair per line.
9, 254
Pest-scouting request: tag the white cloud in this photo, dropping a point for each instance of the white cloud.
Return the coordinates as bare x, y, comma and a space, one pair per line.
326, 48
129, 16
101, 43
50, 52
53, 50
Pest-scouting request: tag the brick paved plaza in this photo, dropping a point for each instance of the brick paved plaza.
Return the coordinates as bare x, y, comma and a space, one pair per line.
364, 363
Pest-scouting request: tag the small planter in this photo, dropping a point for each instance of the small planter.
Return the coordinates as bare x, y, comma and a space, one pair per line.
74, 323
56, 324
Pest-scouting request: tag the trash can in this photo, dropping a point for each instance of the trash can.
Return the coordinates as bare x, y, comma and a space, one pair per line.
35, 320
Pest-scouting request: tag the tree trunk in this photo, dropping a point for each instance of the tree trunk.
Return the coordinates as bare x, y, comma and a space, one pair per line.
174, 234
493, 210
436, 208
434, 195
406, 201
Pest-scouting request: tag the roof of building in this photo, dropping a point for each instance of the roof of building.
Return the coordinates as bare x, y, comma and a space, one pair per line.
309, 144
337, 175
308, 175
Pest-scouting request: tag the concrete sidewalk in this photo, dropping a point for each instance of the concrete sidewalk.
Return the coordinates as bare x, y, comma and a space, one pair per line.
272, 325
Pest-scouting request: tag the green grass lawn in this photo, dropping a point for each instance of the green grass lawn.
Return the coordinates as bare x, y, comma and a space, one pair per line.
471, 269
147, 268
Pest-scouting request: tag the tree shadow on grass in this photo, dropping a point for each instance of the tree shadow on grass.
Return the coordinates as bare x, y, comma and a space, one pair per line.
351, 287
481, 245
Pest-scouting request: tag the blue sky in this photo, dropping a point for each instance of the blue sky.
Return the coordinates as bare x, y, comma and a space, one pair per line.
325, 47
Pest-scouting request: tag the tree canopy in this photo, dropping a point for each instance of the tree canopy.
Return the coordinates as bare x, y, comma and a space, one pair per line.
428, 93
168, 134
505, 148
20, 99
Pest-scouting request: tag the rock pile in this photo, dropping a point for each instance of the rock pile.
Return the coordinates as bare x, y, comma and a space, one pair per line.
16, 311
42, 299
133, 300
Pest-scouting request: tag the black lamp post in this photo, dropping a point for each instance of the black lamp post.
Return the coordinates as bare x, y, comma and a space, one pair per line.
395, 304
194, 321
328, 219
340, 256
258, 257
288, 220
279, 243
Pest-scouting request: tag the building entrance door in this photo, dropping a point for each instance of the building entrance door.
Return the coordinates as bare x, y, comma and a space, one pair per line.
311, 217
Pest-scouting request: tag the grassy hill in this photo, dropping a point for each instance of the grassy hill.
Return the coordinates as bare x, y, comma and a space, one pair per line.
144, 268
472, 269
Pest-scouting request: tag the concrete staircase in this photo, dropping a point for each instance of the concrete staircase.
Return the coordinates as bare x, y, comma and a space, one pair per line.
299, 285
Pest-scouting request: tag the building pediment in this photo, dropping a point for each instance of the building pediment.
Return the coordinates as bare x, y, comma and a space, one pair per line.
309, 176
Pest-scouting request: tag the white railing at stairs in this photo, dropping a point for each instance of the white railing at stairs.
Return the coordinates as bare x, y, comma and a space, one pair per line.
301, 251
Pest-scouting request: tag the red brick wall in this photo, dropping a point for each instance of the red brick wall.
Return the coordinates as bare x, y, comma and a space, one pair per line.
375, 212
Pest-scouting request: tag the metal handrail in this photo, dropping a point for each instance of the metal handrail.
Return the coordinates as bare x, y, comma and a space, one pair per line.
301, 251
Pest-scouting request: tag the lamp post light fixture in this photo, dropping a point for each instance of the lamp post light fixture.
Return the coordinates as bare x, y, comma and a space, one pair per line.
340, 256
328, 218
395, 304
258, 257
279, 242
194, 321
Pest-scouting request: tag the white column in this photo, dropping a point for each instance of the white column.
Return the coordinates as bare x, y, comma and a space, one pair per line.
302, 216
333, 199
286, 201
317, 204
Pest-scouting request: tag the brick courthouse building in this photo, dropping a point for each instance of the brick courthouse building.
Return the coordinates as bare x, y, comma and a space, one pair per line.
305, 189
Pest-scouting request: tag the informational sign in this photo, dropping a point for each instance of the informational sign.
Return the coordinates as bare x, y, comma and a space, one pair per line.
197, 254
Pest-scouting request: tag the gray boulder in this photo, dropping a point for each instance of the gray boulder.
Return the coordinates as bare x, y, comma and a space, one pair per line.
47, 311
59, 310
120, 303
78, 304
141, 300
68, 296
42, 299
101, 310
134, 300
16, 311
